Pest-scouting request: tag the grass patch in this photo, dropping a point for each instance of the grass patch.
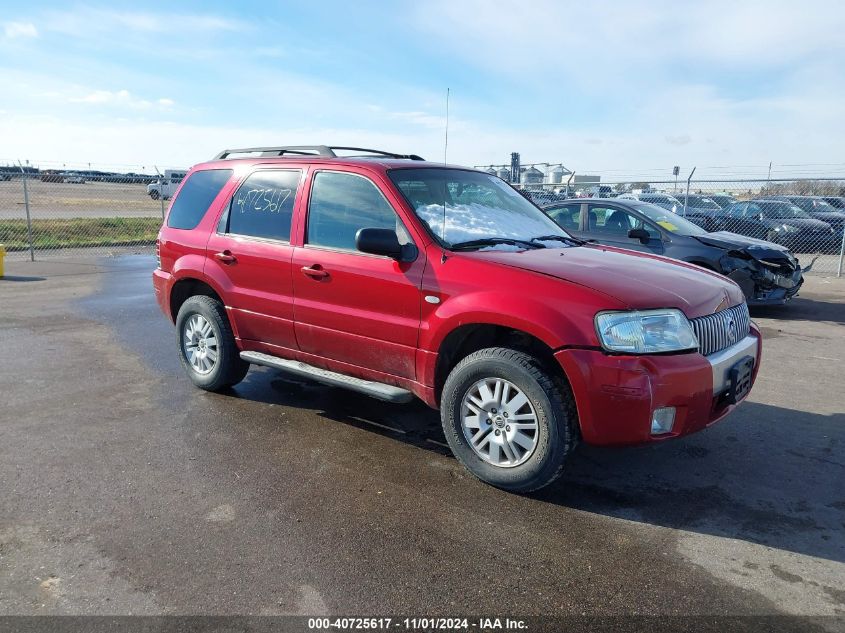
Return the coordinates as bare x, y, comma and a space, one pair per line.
74, 232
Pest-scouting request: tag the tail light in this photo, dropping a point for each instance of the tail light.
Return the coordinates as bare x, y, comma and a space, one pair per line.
158, 252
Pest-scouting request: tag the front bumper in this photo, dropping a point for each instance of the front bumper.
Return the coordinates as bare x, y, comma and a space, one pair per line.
764, 287
778, 291
616, 396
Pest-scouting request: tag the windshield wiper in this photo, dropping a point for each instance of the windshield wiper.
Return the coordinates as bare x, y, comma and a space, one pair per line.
492, 241
560, 238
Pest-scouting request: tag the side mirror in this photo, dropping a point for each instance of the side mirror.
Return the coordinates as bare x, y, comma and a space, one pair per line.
639, 234
379, 242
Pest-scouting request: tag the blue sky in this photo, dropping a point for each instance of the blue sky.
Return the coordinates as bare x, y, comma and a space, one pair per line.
630, 86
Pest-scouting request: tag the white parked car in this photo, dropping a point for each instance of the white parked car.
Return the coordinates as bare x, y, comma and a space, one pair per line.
74, 179
166, 187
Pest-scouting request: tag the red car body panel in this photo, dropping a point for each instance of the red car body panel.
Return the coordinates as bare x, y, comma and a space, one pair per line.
637, 280
379, 319
615, 395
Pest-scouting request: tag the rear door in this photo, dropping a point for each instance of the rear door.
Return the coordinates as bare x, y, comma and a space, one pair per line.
608, 224
250, 253
353, 308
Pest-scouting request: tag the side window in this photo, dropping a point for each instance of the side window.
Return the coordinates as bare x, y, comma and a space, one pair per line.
198, 192
263, 205
568, 217
751, 210
615, 222
736, 210
341, 204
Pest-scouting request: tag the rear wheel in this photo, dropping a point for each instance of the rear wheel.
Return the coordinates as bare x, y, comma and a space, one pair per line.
207, 346
507, 420
154, 195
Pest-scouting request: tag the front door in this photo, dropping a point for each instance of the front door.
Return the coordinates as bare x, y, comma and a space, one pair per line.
610, 225
250, 253
351, 307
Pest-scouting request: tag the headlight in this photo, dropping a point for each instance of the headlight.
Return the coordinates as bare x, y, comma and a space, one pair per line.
645, 332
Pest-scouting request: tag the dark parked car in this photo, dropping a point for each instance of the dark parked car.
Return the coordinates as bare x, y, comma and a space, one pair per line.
766, 272
837, 202
722, 199
700, 210
780, 222
818, 209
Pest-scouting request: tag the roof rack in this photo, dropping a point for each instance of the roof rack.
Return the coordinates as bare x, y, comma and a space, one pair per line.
325, 151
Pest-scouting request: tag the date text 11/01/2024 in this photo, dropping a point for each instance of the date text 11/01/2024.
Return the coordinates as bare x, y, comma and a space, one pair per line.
416, 624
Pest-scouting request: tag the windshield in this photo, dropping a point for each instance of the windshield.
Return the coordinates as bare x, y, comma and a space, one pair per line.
700, 202
723, 201
823, 205
668, 220
658, 199
476, 206
782, 210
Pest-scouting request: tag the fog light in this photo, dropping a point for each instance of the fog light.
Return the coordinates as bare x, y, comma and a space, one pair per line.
662, 420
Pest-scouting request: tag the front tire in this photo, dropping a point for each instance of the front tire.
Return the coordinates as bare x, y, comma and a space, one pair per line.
206, 344
507, 420
154, 195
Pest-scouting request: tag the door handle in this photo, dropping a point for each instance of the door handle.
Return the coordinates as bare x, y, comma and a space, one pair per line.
226, 257
316, 271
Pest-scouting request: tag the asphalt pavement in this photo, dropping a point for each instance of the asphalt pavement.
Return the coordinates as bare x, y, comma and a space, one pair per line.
125, 490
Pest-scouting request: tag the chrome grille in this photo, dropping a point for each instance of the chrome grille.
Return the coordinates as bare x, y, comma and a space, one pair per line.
718, 331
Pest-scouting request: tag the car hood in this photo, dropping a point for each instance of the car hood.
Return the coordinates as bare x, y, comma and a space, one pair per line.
831, 217
800, 223
760, 250
638, 280
732, 241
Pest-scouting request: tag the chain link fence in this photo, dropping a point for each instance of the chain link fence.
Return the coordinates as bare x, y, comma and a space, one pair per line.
46, 212
807, 216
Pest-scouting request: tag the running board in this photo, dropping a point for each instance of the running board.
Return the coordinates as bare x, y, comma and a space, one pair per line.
379, 390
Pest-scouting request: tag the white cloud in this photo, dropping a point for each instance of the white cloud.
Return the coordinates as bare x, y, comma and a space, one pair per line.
14, 30
721, 82
597, 86
122, 98
617, 38
91, 22
681, 139
423, 119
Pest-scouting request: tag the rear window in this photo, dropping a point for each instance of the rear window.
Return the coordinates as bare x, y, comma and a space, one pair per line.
198, 192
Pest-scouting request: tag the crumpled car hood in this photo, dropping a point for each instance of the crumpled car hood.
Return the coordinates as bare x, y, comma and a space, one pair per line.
760, 250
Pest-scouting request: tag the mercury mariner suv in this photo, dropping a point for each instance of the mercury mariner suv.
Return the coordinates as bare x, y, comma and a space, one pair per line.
397, 277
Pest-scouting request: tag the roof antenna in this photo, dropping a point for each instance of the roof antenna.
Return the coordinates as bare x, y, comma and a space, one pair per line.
445, 149
446, 143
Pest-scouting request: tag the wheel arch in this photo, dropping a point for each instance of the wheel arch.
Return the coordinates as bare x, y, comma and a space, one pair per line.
467, 338
186, 288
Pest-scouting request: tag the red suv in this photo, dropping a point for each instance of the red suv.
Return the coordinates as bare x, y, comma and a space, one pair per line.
398, 277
